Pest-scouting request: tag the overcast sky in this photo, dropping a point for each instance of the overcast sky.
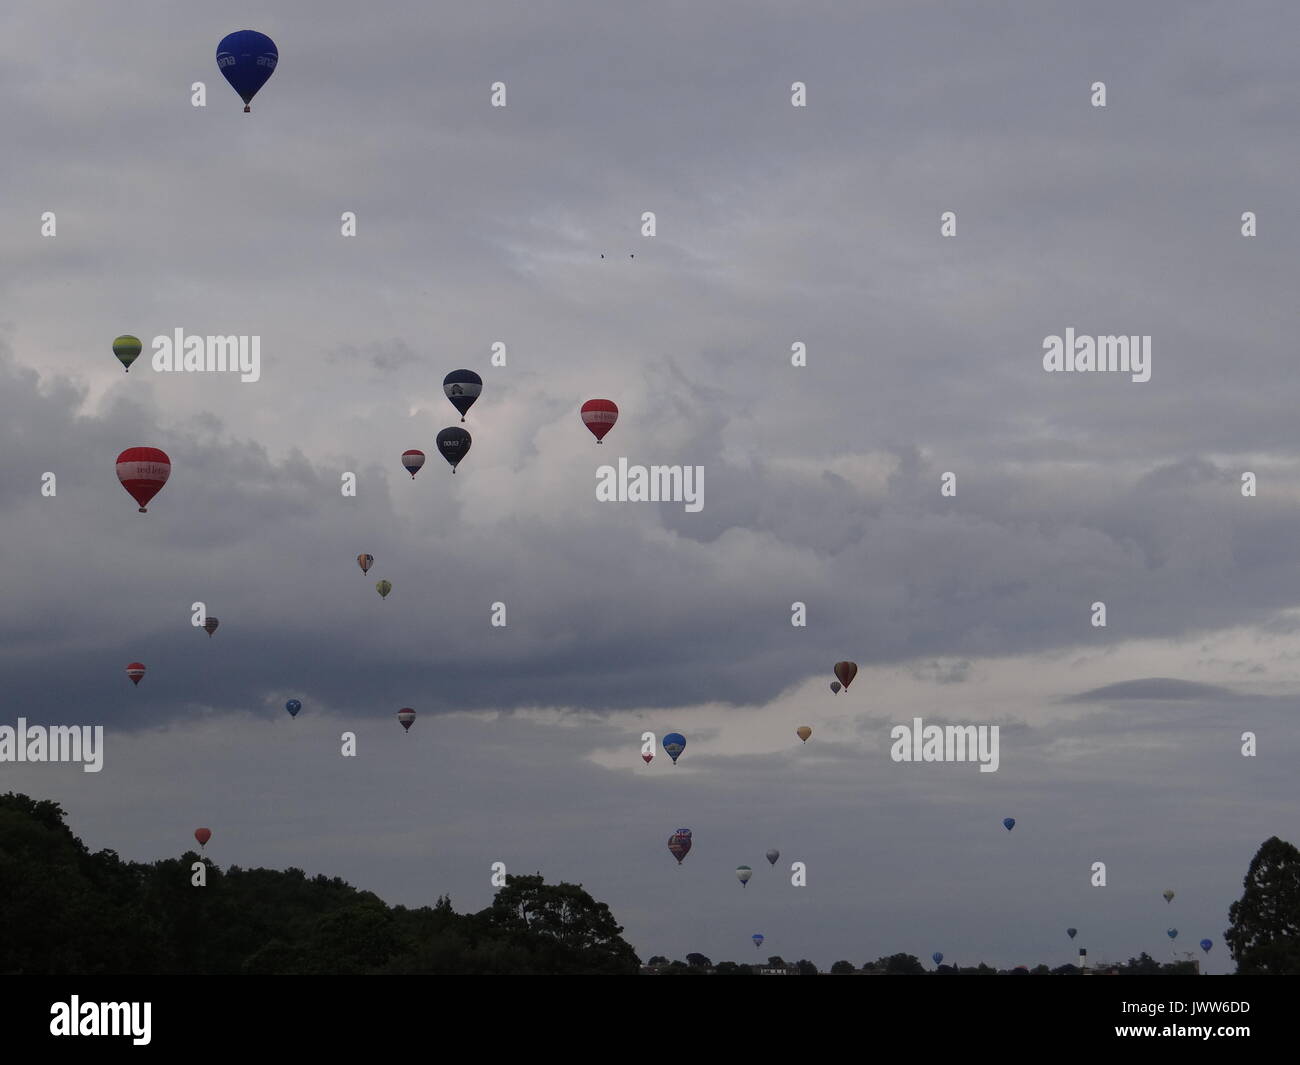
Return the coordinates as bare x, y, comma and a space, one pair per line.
775, 225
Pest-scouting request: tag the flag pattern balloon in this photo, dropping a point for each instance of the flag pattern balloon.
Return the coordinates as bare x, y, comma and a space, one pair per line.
413, 461
406, 716
679, 844
143, 471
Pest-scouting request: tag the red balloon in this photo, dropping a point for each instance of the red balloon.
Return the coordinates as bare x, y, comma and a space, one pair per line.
407, 717
647, 757
143, 471
599, 415
135, 670
846, 671
203, 835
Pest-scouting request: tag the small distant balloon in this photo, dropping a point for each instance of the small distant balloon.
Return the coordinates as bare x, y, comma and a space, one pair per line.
757, 937
743, 873
1206, 944
648, 757
599, 416
1168, 896
1008, 823
674, 744
1071, 932
135, 670
773, 855
845, 672
1172, 933
937, 956
383, 588
413, 461
247, 59
679, 844
126, 348
293, 706
203, 835
406, 715
365, 562
803, 732
454, 444
462, 388
143, 471
835, 687
210, 626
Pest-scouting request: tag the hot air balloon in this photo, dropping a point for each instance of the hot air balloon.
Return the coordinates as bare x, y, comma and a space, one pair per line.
126, 348
757, 937
1206, 944
247, 58
803, 732
365, 562
846, 671
773, 855
293, 706
743, 873
143, 471
406, 715
1071, 932
1172, 933
203, 835
413, 461
599, 415
383, 588
210, 626
454, 444
135, 670
1008, 823
1168, 896
835, 687
937, 956
462, 388
674, 744
679, 844
647, 757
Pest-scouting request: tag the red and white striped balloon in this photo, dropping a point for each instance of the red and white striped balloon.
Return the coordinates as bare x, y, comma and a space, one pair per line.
599, 415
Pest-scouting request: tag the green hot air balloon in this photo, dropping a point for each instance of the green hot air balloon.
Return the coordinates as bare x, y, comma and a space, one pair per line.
126, 348
383, 588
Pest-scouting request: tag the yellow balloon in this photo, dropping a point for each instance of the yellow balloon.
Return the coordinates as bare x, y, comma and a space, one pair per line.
803, 732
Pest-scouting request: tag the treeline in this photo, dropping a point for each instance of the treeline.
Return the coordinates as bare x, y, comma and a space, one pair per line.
64, 910
898, 965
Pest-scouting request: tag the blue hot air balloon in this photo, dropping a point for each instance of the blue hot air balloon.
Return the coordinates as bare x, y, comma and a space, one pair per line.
674, 744
1008, 823
937, 956
462, 388
293, 706
1071, 932
454, 444
1206, 944
247, 58
1172, 933
757, 937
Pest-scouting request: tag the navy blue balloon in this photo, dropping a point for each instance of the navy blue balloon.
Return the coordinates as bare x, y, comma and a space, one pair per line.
937, 956
1008, 823
247, 58
462, 388
454, 445
674, 744
1206, 944
1172, 933
293, 706
1071, 932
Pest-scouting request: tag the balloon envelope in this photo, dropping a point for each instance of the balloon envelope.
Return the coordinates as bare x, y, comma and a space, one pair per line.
406, 715
679, 844
1172, 933
648, 757
743, 873
1206, 944
937, 956
599, 416
203, 835
1008, 823
1169, 896
845, 672
462, 388
126, 348
293, 706
758, 940
143, 471
773, 855
365, 562
454, 444
413, 461
674, 744
835, 686
803, 732
1071, 932
210, 625
383, 588
247, 58
135, 670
